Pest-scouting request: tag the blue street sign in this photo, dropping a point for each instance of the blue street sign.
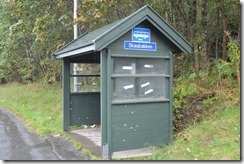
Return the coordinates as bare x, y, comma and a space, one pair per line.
140, 46
141, 35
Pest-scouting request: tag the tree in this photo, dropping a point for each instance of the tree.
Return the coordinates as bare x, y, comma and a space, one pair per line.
31, 30
32, 34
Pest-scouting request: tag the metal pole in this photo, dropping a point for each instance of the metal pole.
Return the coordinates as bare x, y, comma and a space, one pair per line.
75, 17
75, 37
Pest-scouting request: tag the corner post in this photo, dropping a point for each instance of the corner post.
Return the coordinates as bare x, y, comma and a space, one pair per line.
104, 126
171, 95
66, 93
109, 99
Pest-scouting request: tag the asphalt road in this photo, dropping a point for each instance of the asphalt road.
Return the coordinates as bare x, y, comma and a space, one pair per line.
17, 143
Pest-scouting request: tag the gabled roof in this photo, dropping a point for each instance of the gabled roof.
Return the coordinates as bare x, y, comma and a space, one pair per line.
102, 37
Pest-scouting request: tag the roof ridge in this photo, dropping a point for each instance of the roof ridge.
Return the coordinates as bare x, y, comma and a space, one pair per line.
121, 21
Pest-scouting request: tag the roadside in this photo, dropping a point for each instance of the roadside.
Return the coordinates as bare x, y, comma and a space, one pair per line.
17, 143
216, 136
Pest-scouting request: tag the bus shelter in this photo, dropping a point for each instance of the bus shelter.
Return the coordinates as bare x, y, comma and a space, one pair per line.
123, 81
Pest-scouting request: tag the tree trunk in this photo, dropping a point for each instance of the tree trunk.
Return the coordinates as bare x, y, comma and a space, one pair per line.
224, 38
204, 41
194, 31
217, 37
216, 48
196, 62
238, 74
166, 11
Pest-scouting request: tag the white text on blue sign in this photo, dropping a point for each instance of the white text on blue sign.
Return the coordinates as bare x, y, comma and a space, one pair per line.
140, 46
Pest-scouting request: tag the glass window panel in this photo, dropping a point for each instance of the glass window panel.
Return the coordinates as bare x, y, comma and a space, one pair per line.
150, 87
140, 87
150, 66
124, 65
124, 88
140, 66
85, 84
85, 69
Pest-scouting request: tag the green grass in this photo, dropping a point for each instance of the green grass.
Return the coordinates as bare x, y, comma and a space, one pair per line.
216, 137
38, 105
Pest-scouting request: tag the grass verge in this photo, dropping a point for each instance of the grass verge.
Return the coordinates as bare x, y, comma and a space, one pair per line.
216, 137
38, 105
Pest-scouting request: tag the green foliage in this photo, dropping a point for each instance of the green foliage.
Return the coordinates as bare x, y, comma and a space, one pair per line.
235, 55
227, 73
223, 68
29, 32
184, 104
182, 90
194, 95
234, 52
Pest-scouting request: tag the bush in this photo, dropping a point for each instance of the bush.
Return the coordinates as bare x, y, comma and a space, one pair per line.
182, 92
190, 101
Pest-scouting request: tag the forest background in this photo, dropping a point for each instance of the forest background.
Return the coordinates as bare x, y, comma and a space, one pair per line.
31, 30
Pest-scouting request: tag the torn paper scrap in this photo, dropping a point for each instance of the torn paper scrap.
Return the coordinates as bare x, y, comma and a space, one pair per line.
148, 91
145, 84
128, 87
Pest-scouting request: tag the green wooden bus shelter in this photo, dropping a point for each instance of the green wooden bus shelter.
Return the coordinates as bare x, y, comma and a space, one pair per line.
134, 80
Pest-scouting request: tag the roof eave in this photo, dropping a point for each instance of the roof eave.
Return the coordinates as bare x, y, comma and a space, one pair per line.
86, 49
